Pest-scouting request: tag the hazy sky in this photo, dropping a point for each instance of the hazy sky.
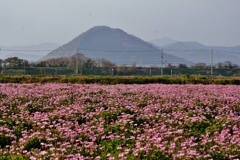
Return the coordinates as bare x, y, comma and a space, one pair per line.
210, 22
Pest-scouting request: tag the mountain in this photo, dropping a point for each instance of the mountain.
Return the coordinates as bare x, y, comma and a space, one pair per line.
197, 52
163, 41
30, 53
114, 45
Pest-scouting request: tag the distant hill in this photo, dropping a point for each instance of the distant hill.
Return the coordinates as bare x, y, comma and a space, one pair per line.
30, 53
163, 41
196, 52
114, 45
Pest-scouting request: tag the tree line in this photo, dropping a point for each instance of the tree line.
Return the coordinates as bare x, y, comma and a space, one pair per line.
82, 65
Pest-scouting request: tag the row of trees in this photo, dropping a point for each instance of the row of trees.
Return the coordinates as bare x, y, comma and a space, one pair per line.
201, 65
79, 64
80, 61
13, 62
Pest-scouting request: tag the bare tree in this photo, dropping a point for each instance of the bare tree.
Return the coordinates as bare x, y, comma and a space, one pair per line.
15, 62
200, 65
107, 64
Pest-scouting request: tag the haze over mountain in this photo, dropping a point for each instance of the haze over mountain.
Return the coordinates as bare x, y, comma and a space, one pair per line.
114, 45
163, 41
197, 52
30, 53
123, 48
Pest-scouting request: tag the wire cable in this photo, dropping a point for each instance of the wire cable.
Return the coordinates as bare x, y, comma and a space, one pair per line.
101, 50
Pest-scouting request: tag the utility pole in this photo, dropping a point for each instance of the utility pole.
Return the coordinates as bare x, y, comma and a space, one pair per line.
77, 62
212, 62
0, 61
81, 67
162, 62
24, 67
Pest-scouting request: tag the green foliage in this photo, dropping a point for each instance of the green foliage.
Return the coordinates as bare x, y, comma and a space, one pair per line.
33, 108
34, 143
218, 156
4, 141
186, 76
15, 157
81, 120
140, 121
83, 137
216, 125
186, 79
196, 128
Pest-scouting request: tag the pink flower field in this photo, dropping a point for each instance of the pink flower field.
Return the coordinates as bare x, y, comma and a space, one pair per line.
152, 121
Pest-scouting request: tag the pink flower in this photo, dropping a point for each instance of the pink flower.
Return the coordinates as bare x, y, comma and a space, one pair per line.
43, 153
121, 155
33, 158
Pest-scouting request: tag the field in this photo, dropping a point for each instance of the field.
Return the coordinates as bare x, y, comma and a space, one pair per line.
138, 121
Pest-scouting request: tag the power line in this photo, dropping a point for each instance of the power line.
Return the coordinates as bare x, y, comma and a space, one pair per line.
35, 50
227, 51
19, 50
101, 50
186, 50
